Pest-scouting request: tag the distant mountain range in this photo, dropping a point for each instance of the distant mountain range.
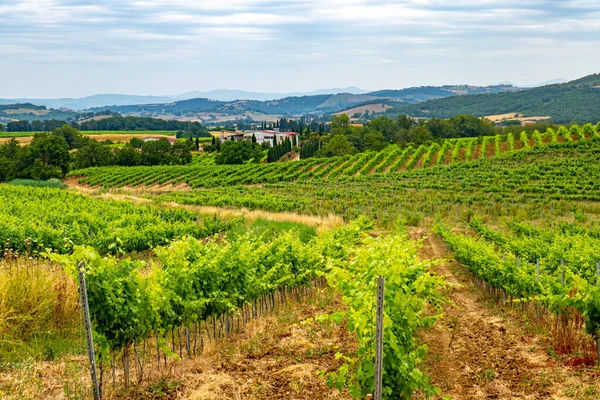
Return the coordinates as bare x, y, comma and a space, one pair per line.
410, 95
577, 101
215, 105
84, 103
298, 105
103, 100
232, 95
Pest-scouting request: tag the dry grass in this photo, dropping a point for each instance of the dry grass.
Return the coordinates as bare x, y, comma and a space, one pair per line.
132, 194
377, 108
275, 358
97, 118
272, 357
26, 111
40, 320
112, 137
35, 297
329, 222
515, 117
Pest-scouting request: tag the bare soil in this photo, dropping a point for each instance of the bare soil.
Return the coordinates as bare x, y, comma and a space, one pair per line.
481, 351
276, 359
519, 144
490, 151
435, 158
476, 152
448, 157
419, 163
275, 356
462, 154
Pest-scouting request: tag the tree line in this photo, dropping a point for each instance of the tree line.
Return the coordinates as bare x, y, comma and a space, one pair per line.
114, 123
53, 154
278, 151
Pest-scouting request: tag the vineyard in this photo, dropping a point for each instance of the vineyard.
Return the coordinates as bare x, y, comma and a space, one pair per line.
540, 280
34, 220
389, 161
188, 302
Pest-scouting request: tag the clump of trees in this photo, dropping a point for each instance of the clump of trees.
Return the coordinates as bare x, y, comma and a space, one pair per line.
46, 157
114, 123
345, 138
278, 151
53, 154
239, 152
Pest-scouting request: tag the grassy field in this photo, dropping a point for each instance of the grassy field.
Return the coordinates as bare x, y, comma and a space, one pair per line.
15, 134
87, 133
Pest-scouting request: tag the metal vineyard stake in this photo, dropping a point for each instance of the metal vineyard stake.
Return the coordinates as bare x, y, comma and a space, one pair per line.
379, 339
88, 329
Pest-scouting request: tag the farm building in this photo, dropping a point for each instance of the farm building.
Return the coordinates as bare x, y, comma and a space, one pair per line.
264, 136
267, 136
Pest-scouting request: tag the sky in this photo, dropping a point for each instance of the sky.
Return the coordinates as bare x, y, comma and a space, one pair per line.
73, 48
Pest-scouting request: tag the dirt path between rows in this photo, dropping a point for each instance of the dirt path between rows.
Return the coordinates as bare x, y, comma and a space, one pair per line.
480, 351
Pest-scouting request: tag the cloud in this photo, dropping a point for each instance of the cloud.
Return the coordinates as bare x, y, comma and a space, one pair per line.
263, 39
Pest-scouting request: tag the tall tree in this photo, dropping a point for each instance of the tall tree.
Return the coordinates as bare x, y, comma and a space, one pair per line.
70, 134
238, 152
338, 145
92, 154
340, 123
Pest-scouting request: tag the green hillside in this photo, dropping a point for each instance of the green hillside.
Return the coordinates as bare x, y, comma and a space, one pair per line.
423, 93
574, 101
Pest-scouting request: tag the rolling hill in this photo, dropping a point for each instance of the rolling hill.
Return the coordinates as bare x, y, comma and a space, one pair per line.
223, 95
97, 100
27, 111
230, 102
424, 93
574, 101
290, 106
171, 107
298, 105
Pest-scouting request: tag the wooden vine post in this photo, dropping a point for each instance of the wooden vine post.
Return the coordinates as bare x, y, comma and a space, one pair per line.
598, 283
88, 329
379, 339
537, 278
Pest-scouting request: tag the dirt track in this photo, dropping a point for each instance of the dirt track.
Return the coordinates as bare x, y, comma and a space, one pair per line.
479, 351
